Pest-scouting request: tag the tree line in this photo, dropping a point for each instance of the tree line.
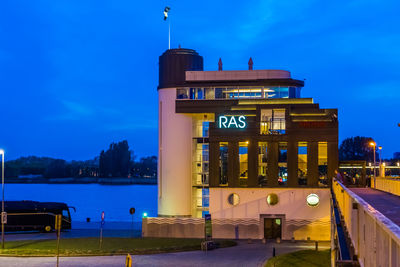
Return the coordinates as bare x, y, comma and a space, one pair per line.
117, 161
359, 148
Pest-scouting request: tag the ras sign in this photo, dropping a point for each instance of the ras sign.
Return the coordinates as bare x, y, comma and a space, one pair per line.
225, 122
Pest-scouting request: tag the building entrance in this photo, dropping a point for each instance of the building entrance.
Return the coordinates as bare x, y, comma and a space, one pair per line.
272, 228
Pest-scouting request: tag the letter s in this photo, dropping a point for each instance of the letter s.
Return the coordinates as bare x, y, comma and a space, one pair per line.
242, 122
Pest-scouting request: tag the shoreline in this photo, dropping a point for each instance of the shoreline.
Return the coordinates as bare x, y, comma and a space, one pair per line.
84, 180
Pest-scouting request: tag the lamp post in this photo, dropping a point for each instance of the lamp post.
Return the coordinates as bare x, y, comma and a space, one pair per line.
2, 200
372, 144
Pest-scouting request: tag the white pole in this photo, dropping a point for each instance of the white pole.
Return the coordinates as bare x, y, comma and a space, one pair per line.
2, 201
169, 35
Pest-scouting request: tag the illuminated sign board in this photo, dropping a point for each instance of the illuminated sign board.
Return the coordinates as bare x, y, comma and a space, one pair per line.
238, 122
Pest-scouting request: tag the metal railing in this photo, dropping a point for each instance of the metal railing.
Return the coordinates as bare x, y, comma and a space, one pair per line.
374, 238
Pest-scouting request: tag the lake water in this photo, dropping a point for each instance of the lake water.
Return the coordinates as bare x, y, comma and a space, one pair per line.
91, 199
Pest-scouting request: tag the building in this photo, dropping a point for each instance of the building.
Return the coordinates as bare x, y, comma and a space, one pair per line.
244, 147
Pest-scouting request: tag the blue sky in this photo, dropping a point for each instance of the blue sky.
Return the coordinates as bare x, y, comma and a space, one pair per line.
78, 75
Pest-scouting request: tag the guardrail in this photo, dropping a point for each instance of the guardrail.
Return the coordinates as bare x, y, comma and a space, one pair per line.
375, 238
387, 184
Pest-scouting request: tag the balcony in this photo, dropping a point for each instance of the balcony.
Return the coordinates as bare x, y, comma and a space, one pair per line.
273, 127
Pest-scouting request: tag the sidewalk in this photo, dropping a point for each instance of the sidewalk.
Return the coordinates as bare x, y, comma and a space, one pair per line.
243, 254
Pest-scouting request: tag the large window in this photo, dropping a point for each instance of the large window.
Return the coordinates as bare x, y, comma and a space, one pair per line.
282, 163
272, 121
262, 163
202, 201
223, 163
302, 163
201, 164
238, 92
243, 162
323, 162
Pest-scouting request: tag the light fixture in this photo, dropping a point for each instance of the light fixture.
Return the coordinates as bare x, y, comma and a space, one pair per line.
312, 200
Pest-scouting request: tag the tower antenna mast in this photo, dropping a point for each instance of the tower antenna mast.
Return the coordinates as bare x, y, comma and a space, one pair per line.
166, 10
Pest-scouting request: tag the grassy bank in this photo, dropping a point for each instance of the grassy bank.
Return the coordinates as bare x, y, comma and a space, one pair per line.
111, 246
310, 258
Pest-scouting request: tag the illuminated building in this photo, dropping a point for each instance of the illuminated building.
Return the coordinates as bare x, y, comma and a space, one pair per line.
244, 147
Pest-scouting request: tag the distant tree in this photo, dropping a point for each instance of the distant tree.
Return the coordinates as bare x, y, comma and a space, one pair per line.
116, 161
357, 148
26, 166
50, 167
56, 169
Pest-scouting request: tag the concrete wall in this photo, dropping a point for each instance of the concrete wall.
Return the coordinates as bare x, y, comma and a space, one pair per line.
375, 238
387, 184
300, 221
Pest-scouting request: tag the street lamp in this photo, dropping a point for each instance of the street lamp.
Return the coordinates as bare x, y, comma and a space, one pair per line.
372, 144
2, 200
380, 155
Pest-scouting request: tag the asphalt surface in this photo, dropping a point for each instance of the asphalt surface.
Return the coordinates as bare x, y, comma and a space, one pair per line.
244, 254
385, 203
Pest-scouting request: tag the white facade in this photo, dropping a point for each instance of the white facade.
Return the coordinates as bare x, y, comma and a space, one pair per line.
175, 158
299, 220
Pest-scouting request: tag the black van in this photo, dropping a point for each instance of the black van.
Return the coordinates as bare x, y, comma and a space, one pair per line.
29, 215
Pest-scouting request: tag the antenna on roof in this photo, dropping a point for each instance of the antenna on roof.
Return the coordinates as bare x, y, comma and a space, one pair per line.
219, 64
166, 10
250, 64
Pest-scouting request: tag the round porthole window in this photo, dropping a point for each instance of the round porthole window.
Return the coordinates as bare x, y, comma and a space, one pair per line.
312, 200
233, 199
272, 199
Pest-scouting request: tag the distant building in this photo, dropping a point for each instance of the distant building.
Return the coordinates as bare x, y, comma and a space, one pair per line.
244, 147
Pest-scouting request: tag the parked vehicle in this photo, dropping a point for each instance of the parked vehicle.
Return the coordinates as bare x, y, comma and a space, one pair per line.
29, 215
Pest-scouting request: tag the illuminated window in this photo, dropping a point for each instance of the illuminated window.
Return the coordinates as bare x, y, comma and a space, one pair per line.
272, 199
223, 163
243, 162
272, 121
233, 199
262, 163
302, 163
323, 162
182, 93
201, 163
282, 163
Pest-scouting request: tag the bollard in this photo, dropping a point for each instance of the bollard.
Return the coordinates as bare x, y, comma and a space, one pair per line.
128, 261
273, 251
316, 245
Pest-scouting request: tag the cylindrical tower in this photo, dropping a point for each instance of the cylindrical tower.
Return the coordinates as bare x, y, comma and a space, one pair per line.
175, 134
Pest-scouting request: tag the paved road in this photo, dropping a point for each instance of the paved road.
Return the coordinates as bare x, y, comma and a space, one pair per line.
385, 203
243, 254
